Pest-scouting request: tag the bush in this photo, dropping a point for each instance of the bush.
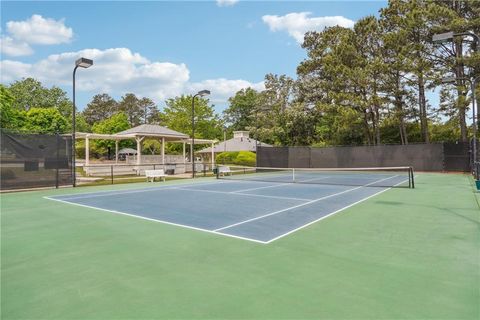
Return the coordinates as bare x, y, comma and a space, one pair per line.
226, 157
246, 158
242, 158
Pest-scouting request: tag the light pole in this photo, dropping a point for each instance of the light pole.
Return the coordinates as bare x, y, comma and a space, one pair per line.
199, 94
473, 85
82, 63
447, 37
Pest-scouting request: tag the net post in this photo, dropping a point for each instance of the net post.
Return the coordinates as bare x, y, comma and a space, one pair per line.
111, 172
412, 179
293, 174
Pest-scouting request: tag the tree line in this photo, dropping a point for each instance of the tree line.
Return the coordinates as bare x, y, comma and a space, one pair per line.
364, 85
369, 84
28, 106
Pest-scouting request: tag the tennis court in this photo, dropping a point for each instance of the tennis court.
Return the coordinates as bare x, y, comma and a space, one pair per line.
256, 204
389, 251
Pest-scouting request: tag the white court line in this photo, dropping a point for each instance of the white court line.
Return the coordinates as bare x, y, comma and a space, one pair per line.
215, 231
332, 213
110, 193
278, 185
258, 188
300, 205
244, 194
157, 220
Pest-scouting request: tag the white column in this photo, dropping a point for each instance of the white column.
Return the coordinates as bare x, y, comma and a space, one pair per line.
163, 152
213, 156
191, 151
139, 150
116, 151
87, 151
184, 155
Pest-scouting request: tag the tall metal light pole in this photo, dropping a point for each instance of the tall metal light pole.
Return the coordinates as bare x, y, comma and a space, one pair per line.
199, 94
447, 37
82, 63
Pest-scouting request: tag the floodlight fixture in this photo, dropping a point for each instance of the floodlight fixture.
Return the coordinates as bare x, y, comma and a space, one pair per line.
84, 63
448, 80
203, 93
443, 37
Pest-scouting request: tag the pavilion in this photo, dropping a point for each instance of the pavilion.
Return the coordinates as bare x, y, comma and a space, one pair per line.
141, 133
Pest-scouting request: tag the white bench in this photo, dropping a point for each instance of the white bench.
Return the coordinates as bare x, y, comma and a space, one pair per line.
155, 174
224, 170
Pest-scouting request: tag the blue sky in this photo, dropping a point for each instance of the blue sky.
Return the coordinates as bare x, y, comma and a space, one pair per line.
162, 49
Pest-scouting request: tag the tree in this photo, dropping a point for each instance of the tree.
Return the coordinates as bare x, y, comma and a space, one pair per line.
177, 115
409, 21
455, 58
269, 123
339, 65
10, 118
116, 123
137, 110
100, 108
81, 123
149, 109
30, 93
45, 120
239, 114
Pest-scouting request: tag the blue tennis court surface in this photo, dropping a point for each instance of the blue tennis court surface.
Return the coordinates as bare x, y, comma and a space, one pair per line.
250, 210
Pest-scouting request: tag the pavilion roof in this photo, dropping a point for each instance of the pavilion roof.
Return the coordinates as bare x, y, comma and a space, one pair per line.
152, 130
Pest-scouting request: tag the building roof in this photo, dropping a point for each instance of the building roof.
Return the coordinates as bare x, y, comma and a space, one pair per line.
153, 130
127, 151
238, 143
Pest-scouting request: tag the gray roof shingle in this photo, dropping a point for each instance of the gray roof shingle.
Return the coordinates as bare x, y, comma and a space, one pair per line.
235, 144
153, 130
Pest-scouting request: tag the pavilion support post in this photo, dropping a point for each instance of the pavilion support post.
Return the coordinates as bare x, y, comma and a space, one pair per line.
139, 150
213, 156
184, 154
116, 151
163, 152
87, 151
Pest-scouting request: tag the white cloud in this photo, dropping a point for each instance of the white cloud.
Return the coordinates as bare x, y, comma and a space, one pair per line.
298, 23
226, 3
118, 71
13, 70
14, 48
222, 89
40, 30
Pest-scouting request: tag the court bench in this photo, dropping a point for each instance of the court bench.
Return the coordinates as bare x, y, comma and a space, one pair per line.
160, 173
224, 170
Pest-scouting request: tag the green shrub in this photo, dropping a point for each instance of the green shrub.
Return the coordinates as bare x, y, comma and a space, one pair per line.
242, 158
246, 158
226, 157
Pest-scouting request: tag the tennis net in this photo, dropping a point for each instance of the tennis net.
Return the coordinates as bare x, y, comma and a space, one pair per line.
368, 177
